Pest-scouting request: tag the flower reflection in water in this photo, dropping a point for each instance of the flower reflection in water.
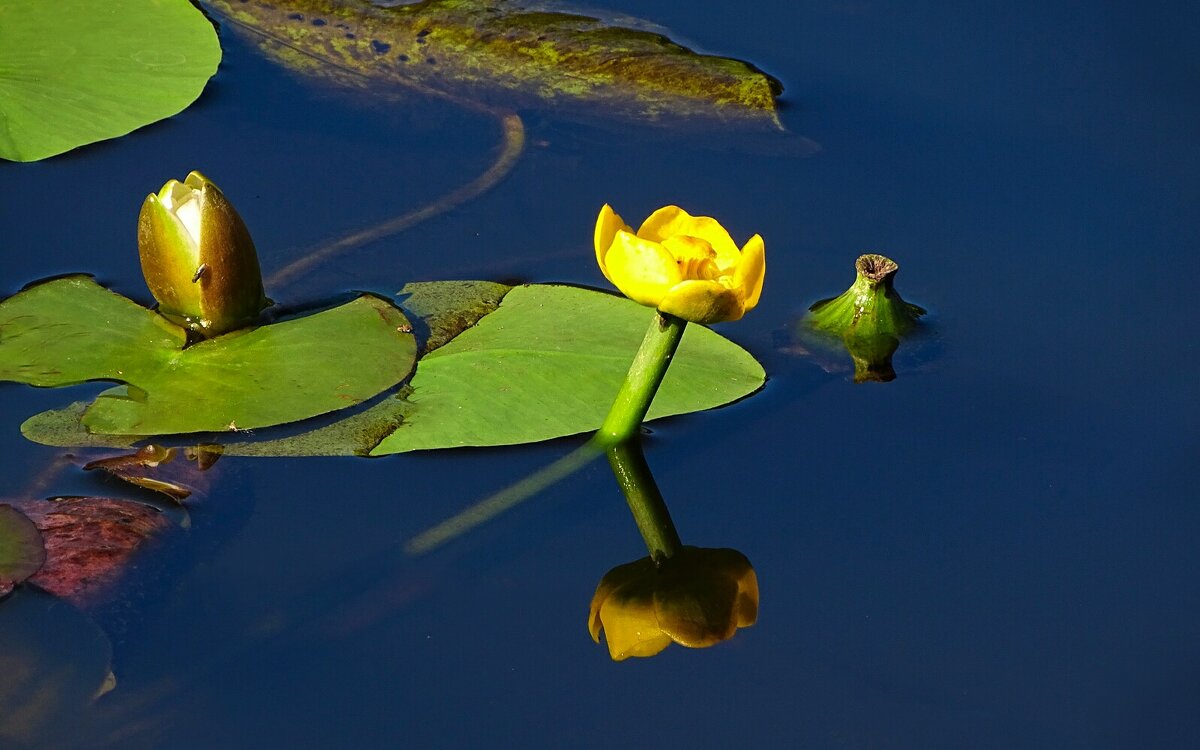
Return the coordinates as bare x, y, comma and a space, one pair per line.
696, 598
693, 596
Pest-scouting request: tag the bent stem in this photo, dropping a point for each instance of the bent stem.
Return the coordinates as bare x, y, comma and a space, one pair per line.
645, 501
512, 145
642, 380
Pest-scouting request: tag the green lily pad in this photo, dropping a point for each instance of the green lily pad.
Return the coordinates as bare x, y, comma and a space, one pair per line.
508, 54
548, 363
21, 550
71, 330
78, 71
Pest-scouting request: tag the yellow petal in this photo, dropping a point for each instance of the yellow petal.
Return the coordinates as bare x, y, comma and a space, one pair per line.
670, 221
751, 271
702, 302
631, 629
608, 223
643, 271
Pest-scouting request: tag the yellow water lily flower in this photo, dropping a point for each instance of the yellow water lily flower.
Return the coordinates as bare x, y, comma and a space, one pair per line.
686, 266
697, 598
198, 258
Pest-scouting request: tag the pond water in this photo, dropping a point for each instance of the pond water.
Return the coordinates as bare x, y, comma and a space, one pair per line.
995, 550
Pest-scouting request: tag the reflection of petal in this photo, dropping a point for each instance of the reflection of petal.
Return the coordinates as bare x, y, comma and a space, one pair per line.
696, 598
696, 608
611, 584
632, 628
702, 302
670, 221
641, 269
748, 277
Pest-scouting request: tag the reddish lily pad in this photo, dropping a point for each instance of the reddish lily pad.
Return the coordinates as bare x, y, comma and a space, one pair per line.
90, 543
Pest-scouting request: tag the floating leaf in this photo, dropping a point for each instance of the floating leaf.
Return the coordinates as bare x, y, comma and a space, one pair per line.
71, 330
62, 428
78, 71
21, 550
548, 363
507, 54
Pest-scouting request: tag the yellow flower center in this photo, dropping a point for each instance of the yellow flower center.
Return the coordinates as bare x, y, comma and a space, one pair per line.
695, 257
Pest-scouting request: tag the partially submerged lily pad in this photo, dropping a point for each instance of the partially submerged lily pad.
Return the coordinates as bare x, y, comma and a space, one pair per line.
78, 71
21, 550
508, 54
55, 661
71, 330
91, 542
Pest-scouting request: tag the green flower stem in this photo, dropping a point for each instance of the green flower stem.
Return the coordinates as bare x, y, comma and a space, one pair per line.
645, 501
642, 380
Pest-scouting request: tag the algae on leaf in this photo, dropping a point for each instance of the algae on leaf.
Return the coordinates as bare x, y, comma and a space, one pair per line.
507, 54
74, 72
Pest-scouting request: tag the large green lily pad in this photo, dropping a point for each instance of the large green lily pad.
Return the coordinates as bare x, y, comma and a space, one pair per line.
71, 330
509, 54
78, 71
548, 363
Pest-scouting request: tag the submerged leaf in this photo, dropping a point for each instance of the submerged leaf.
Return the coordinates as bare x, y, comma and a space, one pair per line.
72, 330
55, 661
91, 542
507, 54
174, 472
78, 71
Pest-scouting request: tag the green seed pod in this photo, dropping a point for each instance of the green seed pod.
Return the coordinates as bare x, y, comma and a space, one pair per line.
869, 319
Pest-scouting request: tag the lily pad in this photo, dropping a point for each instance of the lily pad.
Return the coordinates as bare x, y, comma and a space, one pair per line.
21, 550
507, 54
71, 330
78, 71
548, 363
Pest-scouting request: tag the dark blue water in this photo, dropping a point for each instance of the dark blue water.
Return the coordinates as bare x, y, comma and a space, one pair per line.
996, 550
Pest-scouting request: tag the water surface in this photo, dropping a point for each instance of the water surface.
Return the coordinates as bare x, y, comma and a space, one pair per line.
995, 550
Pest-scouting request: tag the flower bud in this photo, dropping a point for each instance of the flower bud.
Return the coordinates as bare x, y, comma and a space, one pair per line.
198, 258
